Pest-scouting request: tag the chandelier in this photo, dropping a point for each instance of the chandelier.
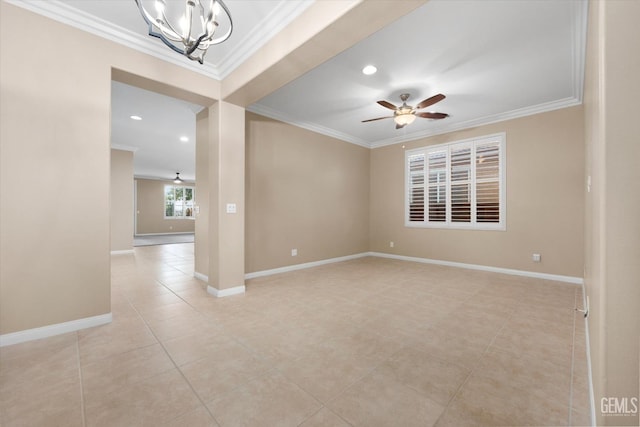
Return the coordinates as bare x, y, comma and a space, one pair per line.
202, 24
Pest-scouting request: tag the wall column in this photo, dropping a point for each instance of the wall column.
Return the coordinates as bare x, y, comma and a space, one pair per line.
121, 201
202, 237
226, 199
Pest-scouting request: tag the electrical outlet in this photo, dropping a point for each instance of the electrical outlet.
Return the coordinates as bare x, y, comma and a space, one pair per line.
536, 258
391, 244
294, 252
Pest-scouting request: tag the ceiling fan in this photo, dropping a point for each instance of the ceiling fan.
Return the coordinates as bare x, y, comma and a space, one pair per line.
406, 114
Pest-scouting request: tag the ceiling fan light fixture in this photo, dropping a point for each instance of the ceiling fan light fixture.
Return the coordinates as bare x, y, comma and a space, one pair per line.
202, 24
406, 114
177, 179
404, 119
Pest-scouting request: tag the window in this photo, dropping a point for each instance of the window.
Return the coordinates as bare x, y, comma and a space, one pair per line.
457, 185
178, 201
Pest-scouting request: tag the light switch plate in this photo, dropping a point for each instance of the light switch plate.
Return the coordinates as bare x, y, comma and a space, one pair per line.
231, 208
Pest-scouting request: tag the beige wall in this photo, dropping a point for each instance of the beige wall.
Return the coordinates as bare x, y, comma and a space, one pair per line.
612, 229
54, 231
304, 191
202, 237
545, 163
226, 186
55, 122
121, 200
150, 209
54, 166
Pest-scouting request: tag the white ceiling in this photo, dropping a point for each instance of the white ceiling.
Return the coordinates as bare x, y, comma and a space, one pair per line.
493, 59
155, 140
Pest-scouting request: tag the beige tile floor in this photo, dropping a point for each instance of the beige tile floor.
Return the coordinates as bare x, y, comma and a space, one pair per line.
368, 342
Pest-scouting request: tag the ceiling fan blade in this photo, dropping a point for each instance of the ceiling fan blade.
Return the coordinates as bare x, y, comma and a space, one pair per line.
430, 101
432, 115
388, 105
379, 118
400, 126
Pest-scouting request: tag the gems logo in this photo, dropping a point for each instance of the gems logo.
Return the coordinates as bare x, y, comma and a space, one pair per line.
619, 406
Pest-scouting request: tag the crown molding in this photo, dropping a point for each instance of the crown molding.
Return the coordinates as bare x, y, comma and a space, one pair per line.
269, 26
579, 47
59, 11
578, 51
486, 120
482, 121
276, 115
280, 16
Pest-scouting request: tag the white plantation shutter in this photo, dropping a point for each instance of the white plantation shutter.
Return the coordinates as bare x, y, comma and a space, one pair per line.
488, 182
461, 184
457, 185
437, 170
416, 187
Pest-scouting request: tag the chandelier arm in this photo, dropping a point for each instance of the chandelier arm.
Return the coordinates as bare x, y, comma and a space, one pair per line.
210, 18
220, 39
165, 33
226, 35
168, 30
200, 58
195, 46
161, 28
188, 17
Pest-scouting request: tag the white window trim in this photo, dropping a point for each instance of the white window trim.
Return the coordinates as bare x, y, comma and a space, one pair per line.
448, 224
164, 200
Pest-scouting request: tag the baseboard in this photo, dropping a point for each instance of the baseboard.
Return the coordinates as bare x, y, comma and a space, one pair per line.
220, 293
592, 399
163, 234
52, 330
201, 276
122, 252
303, 266
534, 274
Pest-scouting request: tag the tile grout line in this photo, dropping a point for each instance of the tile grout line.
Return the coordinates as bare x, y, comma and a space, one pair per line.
174, 363
472, 370
202, 311
204, 318
320, 409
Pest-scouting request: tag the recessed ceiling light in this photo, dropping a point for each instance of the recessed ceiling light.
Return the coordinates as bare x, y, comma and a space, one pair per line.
135, 117
369, 69
184, 139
